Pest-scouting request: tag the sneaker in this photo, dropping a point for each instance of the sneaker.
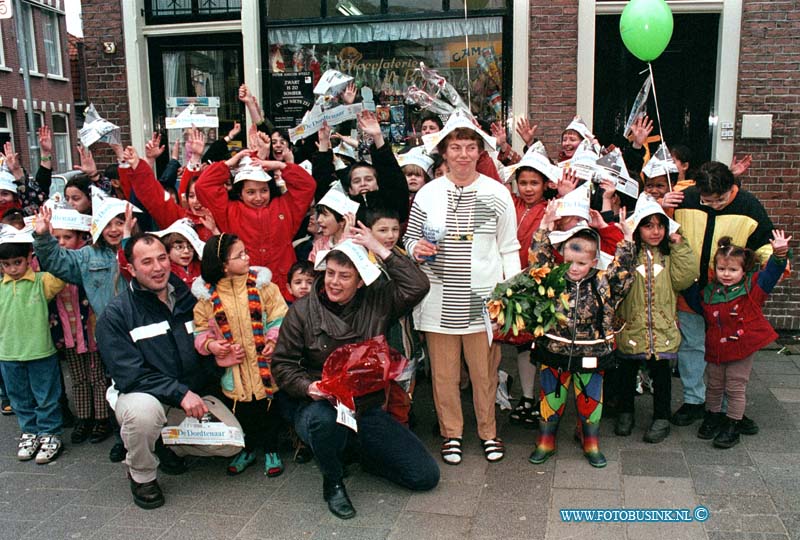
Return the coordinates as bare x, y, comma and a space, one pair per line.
688, 414
747, 426
49, 448
273, 466
28, 446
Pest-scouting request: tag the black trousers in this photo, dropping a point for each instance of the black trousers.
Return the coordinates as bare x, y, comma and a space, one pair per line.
660, 374
260, 422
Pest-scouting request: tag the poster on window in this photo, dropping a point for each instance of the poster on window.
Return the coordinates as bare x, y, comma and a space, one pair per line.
292, 95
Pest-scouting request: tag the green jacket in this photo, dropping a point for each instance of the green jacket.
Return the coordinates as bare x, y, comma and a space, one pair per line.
649, 310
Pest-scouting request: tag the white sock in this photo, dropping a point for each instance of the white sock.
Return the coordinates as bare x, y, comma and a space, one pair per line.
527, 373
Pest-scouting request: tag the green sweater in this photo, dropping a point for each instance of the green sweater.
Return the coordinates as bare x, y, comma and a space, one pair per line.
24, 322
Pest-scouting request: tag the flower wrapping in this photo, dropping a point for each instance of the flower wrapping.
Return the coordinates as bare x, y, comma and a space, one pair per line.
358, 369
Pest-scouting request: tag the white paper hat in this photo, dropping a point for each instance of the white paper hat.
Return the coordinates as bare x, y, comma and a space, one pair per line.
660, 164
12, 235
575, 203
336, 200
580, 126
344, 149
185, 228
535, 158
7, 181
557, 239
306, 166
459, 119
612, 167
368, 270
104, 209
332, 82
70, 219
583, 162
416, 156
249, 171
647, 206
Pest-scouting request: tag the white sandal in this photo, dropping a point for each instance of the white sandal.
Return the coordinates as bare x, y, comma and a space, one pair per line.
494, 449
451, 451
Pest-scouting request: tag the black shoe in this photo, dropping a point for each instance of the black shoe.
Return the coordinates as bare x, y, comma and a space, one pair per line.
657, 432
712, 422
101, 432
147, 495
169, 462
688, 414
338, 502
747, 426
728, 436
67, 418
624, 425
82, 431
117, 453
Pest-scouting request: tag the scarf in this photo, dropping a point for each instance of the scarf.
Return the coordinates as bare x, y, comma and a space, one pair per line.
257, 323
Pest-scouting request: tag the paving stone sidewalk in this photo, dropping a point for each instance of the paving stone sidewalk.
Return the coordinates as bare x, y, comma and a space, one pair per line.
751, 491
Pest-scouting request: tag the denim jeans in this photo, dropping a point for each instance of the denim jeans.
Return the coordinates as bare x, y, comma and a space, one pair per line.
34, 388
691, 357
386, 447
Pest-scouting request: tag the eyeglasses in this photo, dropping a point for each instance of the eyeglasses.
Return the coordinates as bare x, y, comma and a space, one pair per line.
243, 256
719, 200
182, 247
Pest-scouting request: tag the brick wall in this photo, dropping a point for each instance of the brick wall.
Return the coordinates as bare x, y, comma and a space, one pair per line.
106, 79
553, 68
768, 84
43, 88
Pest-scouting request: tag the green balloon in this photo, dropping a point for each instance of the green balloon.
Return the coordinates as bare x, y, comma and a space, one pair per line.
646, 28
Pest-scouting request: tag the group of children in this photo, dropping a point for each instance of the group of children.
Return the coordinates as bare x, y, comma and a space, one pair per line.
232, 243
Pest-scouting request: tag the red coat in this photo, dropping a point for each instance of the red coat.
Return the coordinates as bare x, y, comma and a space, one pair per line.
735, 323
155, 200
267, 232
528, 220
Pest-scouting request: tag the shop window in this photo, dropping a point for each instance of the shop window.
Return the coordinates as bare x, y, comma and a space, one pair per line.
6, 129
184, 11
384, 56
61, 146
52, 44
332, 9
353, 8
30, 41
38, 120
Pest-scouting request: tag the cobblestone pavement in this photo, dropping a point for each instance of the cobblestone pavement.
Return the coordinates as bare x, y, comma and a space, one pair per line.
752, 491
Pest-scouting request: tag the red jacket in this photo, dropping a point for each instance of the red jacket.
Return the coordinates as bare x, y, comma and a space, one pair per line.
266, 232
735, 323
155, 200
528, 220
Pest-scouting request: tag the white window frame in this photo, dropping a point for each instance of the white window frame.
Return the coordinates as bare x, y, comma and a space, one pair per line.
63, 154
33, 61
50, 19
9, 123
2, 50
730, 31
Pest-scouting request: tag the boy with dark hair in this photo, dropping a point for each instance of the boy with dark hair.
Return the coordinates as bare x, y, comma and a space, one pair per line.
28, 358
301, 279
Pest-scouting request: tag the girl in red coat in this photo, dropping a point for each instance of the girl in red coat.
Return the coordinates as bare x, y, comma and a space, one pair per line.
735, 330
263, 218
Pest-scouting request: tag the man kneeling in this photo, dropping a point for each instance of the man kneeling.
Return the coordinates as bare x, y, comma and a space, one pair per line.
349, 304
145, 337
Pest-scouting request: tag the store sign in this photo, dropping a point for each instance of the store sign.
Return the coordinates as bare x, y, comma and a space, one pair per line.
458, 53
292, 95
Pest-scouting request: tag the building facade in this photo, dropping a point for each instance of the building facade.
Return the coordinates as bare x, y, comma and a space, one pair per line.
51, 90
726, 85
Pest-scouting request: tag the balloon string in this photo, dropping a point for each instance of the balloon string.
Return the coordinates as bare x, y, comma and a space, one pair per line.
466, 43
658, 117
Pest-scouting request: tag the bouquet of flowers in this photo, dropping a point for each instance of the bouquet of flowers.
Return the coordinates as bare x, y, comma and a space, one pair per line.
525, 306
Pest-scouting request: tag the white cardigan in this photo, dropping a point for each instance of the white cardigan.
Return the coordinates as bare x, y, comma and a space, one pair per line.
479, 250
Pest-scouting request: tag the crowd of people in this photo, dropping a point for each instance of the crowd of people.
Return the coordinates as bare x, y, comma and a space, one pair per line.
218, 289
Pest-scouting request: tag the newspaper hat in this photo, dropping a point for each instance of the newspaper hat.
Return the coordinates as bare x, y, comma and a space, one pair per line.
580, 126
575, 203
345, 150
70, 219
583, 162
250, 171
647, 206
535, 158
185, 228
339, 202
7, 181
368, 270
306, 166
459, 119
558, 238
12, 235
660, 164
104, 209
416, 156
612, 167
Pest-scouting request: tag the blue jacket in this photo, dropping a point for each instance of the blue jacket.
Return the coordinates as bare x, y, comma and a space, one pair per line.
146, 348
94, 268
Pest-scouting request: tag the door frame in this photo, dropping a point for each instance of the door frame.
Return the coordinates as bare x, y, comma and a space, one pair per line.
726, 83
